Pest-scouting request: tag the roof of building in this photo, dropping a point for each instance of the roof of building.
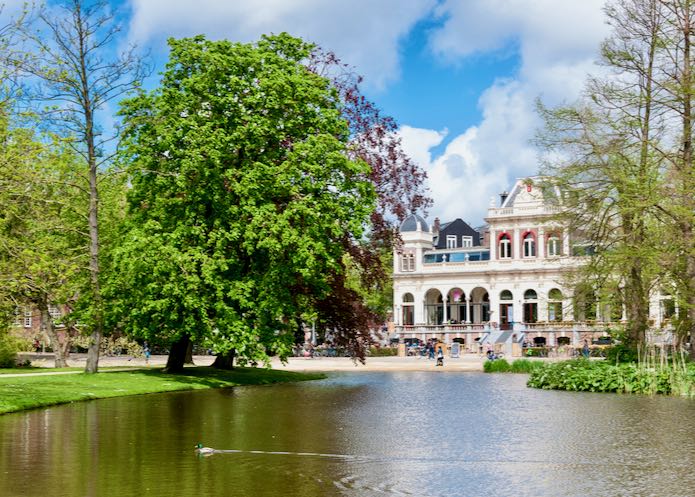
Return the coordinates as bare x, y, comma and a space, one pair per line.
414, 222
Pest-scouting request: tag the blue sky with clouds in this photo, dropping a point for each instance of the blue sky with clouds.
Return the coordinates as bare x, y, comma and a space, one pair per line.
460, 76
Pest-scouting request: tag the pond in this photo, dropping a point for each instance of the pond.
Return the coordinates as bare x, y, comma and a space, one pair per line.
363, 434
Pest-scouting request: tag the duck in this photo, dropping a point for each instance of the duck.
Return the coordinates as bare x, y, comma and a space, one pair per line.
203, 450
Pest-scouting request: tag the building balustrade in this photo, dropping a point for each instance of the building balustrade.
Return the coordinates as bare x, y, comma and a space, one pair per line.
556, 326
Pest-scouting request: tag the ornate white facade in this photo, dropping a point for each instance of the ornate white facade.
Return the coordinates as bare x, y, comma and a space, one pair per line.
513, 286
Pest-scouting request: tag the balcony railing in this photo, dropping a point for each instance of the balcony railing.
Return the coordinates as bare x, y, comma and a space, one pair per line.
547, 326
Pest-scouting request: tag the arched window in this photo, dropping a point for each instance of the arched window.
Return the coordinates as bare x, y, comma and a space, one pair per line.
408, 318
505, 247
506, 310
553, 245
530, 306
554, 305
529, 245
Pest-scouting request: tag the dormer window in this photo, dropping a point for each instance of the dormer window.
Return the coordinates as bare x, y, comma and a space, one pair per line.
529, 245
450, 241
466, 241
505, 247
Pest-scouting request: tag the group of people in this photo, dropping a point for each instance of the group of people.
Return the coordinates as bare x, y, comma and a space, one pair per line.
430, 350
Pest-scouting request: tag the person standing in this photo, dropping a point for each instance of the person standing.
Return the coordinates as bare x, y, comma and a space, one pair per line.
440, 357
146, 350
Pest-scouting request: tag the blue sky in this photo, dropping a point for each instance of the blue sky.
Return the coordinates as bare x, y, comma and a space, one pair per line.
460, 76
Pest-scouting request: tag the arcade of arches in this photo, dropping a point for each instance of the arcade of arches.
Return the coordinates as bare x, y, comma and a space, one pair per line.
457, 306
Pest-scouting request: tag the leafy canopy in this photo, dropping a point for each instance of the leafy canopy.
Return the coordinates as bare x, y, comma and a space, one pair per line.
243, 196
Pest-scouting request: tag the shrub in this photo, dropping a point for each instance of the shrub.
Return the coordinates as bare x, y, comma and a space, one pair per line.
9, 346
525, 366
536, 352
620, 353
383, 351
497, 366
602, 376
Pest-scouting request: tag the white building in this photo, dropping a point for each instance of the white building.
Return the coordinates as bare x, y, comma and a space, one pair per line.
502, 284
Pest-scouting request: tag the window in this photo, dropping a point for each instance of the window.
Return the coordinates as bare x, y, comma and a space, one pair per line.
530, 306
553, 245
54, 311
529, 245
17, 317
466, 241
27, 317
555, 305
530, 295
408, 309
450, 241
408, 262
505, 246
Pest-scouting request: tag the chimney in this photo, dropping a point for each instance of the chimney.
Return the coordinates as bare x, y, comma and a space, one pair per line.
435, 228
503, 197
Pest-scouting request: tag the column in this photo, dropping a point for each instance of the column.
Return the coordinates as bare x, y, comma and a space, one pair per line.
419, 310
468, 309
493, 245
516, 248
565, 243
540, 249
445, 312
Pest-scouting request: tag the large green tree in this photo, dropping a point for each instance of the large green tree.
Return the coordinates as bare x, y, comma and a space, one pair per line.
42, 246
244, 198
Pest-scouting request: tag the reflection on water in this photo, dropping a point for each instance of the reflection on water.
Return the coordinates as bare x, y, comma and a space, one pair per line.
415, 433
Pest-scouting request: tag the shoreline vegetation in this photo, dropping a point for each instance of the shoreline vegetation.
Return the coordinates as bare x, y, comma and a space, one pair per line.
31, 391
581, 375
675, 377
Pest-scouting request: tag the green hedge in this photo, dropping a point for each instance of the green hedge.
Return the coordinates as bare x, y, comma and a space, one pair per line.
518, 366
383, 351
602, 376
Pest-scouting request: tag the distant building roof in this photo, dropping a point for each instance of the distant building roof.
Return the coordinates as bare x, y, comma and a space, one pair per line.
414, 222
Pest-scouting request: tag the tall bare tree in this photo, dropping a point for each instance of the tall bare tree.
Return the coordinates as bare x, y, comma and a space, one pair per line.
72, 55
604, 156
678, 198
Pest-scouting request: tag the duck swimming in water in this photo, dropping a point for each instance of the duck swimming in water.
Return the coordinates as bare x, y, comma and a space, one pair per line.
203, 450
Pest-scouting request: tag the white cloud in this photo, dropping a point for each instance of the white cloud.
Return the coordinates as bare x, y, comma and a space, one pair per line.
556, 43
363, 33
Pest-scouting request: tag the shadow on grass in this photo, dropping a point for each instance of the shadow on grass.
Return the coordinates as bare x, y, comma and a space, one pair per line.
219, 378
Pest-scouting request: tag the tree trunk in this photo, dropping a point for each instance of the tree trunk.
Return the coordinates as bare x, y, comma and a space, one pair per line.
189, 354
225, 361
177, 355
60, 347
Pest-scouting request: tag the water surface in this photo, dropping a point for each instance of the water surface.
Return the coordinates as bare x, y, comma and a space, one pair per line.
363, 434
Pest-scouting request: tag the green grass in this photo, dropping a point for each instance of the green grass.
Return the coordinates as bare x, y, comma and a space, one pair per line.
31, 391
36, 369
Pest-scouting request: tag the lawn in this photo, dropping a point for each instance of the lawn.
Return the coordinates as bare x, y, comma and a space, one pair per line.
31, 390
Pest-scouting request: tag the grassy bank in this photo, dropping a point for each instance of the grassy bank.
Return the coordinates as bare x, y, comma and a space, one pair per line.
38, 369
31, 390
602, 376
